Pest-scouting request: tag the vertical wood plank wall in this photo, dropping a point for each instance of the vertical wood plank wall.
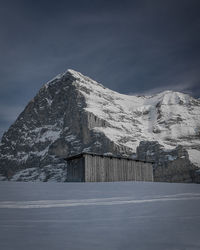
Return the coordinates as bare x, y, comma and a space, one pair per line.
100, 169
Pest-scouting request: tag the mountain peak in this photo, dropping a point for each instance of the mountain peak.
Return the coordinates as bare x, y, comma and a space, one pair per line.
75, 113
73, 76
73, 73
170, 97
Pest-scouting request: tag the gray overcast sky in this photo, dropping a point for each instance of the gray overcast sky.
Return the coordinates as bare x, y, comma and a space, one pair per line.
136, 46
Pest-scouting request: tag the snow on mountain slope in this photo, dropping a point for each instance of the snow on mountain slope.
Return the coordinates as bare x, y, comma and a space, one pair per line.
171, 118
72, 113
194, 156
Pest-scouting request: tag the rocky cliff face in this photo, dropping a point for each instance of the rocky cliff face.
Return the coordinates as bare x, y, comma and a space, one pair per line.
170, 165
72, 113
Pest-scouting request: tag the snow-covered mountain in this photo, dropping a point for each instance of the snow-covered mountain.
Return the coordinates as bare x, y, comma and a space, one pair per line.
73, 113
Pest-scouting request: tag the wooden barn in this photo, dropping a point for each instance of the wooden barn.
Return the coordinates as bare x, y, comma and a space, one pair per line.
89, 167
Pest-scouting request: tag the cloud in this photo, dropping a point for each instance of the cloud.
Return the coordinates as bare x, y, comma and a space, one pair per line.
131, 46
8, 115
178, 87
187, 82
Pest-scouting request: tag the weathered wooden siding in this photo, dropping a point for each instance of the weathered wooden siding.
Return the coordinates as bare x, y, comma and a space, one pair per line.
75, 170
100, 169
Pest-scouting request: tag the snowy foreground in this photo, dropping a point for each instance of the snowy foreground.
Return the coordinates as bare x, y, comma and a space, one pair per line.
106, 216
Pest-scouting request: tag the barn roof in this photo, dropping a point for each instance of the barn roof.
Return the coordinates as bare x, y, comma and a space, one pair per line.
72, 157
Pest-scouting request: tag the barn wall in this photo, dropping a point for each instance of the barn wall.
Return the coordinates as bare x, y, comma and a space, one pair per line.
75, 170
100, 169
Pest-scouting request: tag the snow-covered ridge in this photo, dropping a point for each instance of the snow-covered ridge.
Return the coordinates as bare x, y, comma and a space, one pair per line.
169, 117
75, 75
73, 113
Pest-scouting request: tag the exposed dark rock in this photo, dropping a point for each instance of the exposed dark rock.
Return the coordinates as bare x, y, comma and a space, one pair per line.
169, 165
72, 113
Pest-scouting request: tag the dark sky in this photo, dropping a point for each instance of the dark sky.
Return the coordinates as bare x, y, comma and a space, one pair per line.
137, 47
